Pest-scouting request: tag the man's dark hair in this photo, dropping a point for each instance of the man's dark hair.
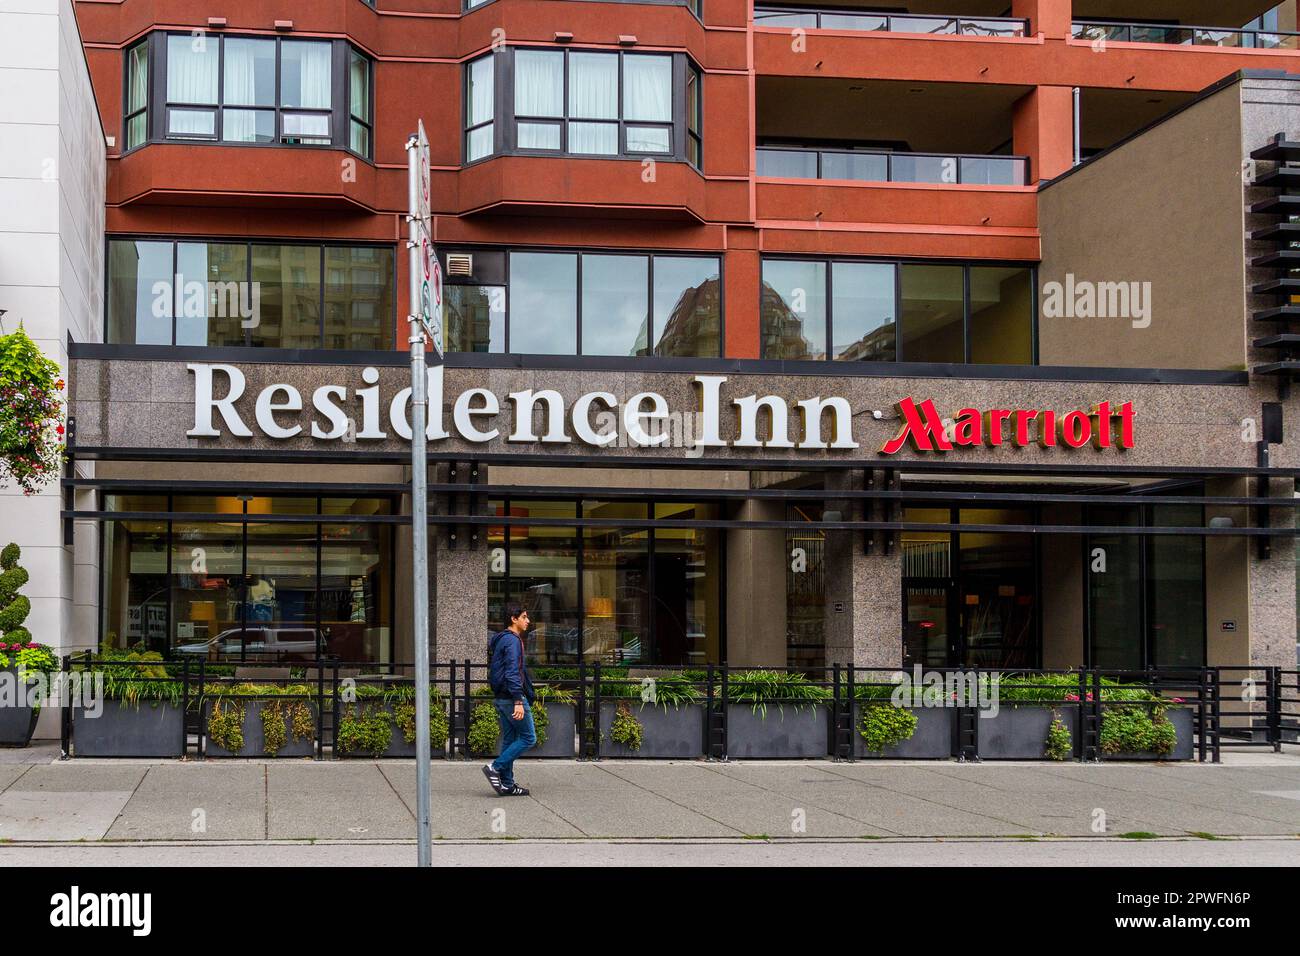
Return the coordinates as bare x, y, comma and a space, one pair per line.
513, 610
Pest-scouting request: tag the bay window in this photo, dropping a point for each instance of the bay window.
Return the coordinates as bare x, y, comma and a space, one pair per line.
250, 90
584, 103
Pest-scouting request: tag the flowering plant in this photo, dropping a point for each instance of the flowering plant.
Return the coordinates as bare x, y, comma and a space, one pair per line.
31, 414
28, 657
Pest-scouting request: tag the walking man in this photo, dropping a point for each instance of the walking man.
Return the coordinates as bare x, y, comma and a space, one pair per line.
512, 689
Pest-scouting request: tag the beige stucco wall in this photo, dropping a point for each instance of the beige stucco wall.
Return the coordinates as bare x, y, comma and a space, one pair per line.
1132, 216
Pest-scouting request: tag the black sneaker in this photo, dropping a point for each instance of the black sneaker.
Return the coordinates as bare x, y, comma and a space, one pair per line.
494, 778
515, 791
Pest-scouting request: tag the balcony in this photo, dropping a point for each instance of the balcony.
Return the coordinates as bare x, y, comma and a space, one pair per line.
830, 18
888, 166
1181, 35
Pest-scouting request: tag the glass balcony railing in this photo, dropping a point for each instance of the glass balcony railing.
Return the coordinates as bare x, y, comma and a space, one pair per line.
883, 166
811, 18
1181, 35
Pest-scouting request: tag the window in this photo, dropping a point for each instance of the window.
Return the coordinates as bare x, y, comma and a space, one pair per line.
269, 295
621, 594
269, 592
479, 109
886, 312
137, 95
1146, 601
584, 103
252, 90
583, 303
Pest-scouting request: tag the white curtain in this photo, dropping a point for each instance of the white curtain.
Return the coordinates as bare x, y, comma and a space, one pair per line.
480, 90
648, 88
139, 78
192, 69
593, 86
539, 83
305, 70
240, 83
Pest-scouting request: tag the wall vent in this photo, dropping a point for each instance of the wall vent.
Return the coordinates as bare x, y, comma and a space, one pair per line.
460, 264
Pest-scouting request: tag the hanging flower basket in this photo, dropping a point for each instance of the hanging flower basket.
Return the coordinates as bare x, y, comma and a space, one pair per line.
31, 414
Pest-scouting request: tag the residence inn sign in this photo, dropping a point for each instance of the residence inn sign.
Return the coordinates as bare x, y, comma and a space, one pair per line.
263, 408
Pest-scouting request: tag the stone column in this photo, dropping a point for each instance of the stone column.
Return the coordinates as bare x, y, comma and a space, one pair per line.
864, 592
756, 589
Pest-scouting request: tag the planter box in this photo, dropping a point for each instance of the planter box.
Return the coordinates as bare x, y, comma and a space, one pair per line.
1020, 732
153, 729
932, 739
560, 733
17, 720
397, 747
671, 732
787, 731
1184, 749
253, 741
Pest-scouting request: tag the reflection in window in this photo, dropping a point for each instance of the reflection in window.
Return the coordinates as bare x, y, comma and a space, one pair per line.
687, 306
543, 303
643, 596
862, 310
238, 590
615, 309
479, 108
475, 318
793, 309
250, 294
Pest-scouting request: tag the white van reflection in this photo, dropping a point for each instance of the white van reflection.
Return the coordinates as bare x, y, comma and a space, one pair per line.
261, 643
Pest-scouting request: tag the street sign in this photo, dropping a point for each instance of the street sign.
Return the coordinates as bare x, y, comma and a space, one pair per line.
426, 270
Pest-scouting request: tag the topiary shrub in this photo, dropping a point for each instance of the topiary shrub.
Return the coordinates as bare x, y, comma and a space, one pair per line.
884, 725
1059, 745
626, 729
14, 607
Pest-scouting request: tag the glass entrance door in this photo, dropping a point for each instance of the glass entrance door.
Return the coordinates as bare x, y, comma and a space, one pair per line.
928, 638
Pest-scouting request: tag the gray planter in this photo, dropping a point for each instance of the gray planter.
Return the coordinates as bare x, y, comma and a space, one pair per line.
253, 741
667, 732
932, 739
790, 731
17, 722
397, 746
560, 739
1184, 749
152, 729
1019, 732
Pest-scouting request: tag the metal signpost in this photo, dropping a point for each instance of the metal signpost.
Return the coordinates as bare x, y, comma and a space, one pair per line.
425, 319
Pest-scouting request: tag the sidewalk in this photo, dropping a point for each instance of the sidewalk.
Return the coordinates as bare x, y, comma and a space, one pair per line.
43, 799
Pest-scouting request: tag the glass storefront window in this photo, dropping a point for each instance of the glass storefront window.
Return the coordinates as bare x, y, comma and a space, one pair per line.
862, 311
644, 596
224, 298
359, 301
242, 590
1115, 592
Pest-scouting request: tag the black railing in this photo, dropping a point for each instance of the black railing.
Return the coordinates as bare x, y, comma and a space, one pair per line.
1183, 35
812, 18
886, 166
601, 711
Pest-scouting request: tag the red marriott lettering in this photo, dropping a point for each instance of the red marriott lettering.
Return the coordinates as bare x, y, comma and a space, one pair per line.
1103, 427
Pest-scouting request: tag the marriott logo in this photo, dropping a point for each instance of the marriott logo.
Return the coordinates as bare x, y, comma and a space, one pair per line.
1104, 427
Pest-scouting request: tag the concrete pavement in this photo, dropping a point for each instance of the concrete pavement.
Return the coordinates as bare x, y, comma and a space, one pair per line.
1250, 795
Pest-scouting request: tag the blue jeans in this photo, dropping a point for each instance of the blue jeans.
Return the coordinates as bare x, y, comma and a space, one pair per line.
516, 737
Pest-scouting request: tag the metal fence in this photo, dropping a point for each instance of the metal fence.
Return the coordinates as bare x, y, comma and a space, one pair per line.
596, 711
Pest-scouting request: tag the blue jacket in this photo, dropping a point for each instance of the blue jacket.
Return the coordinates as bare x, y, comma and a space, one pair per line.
507, 673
